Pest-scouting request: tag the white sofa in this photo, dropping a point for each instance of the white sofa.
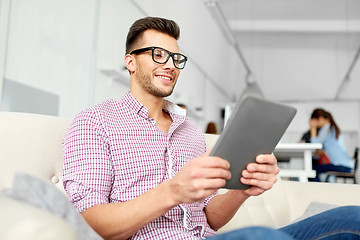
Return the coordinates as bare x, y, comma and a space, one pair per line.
31, 143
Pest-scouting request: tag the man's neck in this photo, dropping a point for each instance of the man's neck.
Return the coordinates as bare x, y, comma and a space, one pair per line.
153, 104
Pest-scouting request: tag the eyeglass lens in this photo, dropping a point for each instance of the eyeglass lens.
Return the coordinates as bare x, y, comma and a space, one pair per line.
162, 56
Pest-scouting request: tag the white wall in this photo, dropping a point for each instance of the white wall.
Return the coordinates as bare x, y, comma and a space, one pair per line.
50, 47
4, 24
306, 67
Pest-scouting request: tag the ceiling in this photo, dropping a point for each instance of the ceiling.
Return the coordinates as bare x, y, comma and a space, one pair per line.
298, 50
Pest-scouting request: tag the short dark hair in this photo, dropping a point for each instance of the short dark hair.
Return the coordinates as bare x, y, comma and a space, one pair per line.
154, 23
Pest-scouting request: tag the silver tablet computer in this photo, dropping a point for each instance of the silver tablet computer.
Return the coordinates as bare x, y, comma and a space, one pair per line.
255, 127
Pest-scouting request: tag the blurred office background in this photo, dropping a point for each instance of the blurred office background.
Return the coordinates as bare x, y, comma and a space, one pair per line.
58, 57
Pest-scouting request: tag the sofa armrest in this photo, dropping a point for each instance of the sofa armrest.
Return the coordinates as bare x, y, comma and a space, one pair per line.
23, 221
300, 195
288, 200
270, 209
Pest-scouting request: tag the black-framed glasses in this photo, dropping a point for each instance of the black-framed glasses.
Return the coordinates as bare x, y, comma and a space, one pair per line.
161, 56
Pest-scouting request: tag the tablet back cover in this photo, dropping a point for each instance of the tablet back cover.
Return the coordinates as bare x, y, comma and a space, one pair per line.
255, 127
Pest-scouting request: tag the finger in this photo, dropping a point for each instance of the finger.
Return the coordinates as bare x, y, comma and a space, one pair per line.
259, 176
214, 162
208, 184
264, 168
265, 185
216, 173
266, 159
204, 173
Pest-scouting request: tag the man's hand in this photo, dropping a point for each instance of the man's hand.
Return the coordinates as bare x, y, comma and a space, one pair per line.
199, 178
261, 175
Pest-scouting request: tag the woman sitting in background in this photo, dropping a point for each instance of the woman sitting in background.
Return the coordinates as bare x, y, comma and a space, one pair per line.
333, 143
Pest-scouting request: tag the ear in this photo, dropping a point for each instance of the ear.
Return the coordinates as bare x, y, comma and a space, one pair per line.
130, 63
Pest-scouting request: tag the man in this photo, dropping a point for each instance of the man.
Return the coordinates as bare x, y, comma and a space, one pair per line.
137, 168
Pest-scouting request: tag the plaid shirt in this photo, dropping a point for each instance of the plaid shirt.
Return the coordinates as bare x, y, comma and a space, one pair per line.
114, 152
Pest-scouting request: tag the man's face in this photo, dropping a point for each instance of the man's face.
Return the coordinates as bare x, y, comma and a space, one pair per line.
156, 79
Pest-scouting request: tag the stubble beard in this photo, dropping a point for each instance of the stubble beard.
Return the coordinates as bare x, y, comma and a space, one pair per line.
145, 81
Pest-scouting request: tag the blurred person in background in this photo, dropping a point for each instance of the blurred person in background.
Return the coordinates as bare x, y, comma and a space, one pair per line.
333, 155
211, 128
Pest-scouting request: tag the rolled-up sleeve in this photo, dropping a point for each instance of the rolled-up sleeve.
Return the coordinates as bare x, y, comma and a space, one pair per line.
88, 172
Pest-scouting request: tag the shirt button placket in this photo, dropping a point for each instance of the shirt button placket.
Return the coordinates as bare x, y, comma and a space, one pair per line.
171, 162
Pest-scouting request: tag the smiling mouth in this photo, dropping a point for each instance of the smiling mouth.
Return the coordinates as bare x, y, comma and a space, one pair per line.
164, 77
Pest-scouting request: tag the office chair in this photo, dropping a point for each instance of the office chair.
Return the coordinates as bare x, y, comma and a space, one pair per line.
343, 174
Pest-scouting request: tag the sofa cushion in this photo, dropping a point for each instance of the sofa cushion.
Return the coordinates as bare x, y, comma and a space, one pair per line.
315, 208
36, 192
22, 221
270, 209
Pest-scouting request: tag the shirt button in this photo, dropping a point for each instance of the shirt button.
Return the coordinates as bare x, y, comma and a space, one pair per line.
55, 179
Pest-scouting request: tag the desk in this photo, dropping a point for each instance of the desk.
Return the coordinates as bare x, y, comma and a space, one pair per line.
302, 151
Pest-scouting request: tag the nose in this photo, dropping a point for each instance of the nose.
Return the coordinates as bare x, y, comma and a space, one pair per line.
169, 63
